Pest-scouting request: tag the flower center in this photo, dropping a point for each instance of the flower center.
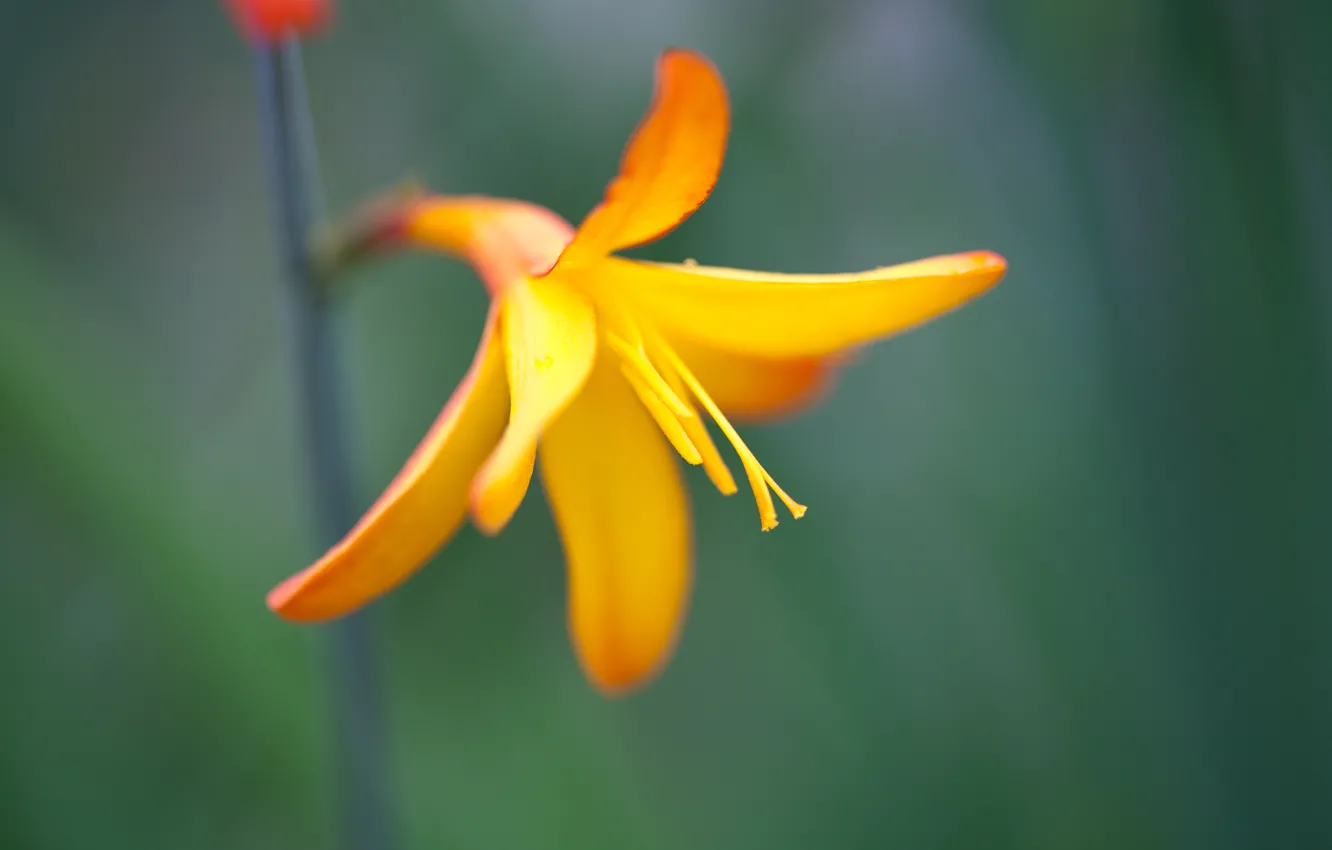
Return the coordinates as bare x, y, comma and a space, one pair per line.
665, 385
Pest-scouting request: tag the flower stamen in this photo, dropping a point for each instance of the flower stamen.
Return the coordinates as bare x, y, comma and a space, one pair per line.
635, 358
717, 470
666, 418
759, 479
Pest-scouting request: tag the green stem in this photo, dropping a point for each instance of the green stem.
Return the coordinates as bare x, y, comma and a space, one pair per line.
289, 149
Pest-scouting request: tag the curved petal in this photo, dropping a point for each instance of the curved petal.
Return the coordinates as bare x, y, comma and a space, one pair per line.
503, 240
623, 516
419, 511
781, 315
749, 388
550, 343
670, 164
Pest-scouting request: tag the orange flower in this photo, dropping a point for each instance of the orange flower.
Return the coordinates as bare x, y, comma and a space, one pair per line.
270, 20
604, 363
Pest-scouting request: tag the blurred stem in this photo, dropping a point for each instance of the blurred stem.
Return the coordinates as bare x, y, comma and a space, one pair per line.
292, 169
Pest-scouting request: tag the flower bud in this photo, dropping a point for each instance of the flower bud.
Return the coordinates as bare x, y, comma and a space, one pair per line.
271, 20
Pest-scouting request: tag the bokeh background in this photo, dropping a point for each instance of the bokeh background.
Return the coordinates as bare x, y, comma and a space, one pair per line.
1065, 577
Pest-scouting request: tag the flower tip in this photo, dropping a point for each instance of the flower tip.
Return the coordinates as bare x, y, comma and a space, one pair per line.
301, 599
616, 676
611, 688
977, 271
279, 596
677, 54
494, 502
282, 600
987, 266
268, 21
488, 517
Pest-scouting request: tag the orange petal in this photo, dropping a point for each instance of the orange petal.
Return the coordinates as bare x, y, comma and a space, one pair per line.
419, 511
795, 315
748, 387
550, 342
623, 516
503, 240
670, 164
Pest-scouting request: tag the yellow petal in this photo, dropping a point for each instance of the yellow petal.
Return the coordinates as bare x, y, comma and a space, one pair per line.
419, 511
550, 339
781, 315
748, 388
623, 516
505, 241
670, 164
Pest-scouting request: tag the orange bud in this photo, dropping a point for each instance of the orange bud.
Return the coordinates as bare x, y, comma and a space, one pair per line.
270, 20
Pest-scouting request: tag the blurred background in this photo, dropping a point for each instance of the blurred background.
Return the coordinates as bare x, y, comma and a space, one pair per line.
1065, 577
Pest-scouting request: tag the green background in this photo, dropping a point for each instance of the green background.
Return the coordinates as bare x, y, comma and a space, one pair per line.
1064, 581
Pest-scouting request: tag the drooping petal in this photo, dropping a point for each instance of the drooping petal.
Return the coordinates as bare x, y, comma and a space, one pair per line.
748, 387
419, 511
505, 241
670, 164
550, 340
780, 315
623, 515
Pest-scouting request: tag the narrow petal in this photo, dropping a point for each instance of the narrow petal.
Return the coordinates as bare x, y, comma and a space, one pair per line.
419, 511
670, 164
622, 512
783, 316
550, 340
505, 241
748, 388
